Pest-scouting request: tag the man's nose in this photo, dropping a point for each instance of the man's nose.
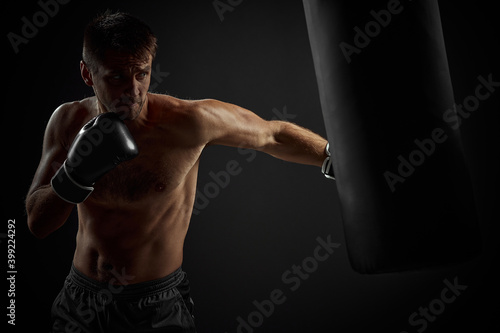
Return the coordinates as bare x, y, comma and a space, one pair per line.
133, 87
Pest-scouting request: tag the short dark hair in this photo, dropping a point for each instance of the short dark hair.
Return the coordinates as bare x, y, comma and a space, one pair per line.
119, 32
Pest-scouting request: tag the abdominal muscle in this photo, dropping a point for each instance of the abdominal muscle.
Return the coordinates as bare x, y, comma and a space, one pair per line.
125, 243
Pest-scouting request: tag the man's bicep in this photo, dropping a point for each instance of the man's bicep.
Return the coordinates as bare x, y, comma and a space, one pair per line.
53, 152
230, 125
50, 162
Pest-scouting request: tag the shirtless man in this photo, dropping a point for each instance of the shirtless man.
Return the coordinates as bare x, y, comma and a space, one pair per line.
133, 178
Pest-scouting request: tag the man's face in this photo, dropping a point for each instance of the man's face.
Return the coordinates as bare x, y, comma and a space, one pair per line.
121, 83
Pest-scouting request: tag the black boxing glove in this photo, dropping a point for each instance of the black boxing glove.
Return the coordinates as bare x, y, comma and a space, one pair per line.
102, 144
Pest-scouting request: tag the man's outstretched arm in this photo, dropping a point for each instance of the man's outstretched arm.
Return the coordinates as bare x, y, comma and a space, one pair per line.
227, 124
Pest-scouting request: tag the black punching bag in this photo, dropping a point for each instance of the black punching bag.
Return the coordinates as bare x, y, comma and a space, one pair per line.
387, 101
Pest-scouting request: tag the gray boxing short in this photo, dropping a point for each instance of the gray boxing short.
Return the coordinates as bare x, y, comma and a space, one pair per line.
86, 305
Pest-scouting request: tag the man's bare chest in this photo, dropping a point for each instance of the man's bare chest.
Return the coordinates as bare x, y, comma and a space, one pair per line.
159, 169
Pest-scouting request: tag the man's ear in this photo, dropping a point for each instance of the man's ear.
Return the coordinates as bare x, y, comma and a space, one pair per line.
86, 75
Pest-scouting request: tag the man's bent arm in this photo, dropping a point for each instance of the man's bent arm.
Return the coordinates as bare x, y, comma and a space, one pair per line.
46, 211
227, 124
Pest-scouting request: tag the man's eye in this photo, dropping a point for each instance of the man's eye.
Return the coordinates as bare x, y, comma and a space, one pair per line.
143, 75
116, 78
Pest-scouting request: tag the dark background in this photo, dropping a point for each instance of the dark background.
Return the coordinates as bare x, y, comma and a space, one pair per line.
269, 216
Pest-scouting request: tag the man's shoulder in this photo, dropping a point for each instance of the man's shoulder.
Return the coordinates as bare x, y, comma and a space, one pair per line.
71, 112
166, 103
186, 117
174, 110
69, 118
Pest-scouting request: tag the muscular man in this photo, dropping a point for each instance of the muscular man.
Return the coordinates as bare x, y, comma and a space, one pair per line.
132, 172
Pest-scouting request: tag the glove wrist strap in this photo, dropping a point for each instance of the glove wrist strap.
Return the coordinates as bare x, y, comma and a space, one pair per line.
327, 167
67, 188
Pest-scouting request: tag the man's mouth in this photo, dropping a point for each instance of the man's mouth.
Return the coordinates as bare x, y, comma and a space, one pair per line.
128, 102
128, 110
127, 105
124, 100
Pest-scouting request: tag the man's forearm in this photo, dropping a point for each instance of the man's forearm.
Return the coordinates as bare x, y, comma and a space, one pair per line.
46, 211
296, 144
